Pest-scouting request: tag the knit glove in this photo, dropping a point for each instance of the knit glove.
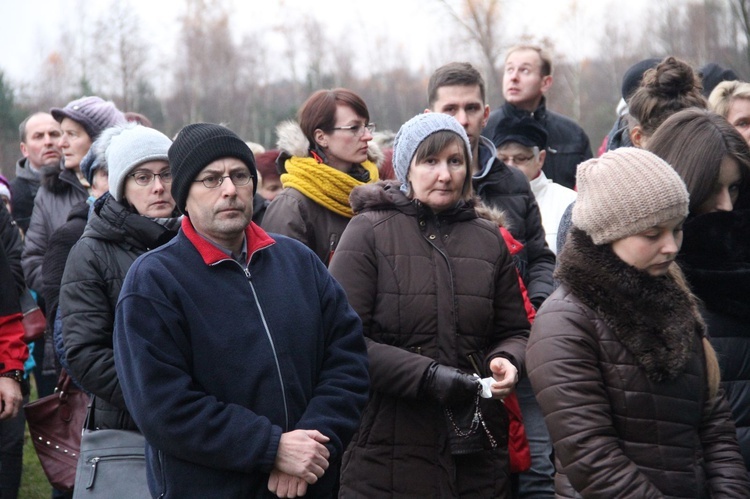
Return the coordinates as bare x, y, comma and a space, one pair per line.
448, 386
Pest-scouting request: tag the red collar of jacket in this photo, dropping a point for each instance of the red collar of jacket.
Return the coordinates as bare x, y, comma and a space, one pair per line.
257, 239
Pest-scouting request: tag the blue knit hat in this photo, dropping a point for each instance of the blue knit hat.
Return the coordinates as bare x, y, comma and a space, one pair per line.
413, 133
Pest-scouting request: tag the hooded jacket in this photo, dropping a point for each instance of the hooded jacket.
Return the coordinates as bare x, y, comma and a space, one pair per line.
429, 288
59, 192
507, 189
567, 143
24, 188
617, 364
113, 238
715, 255
293, 214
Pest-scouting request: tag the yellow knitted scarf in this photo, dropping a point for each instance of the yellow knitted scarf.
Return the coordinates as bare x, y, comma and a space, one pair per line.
326, 186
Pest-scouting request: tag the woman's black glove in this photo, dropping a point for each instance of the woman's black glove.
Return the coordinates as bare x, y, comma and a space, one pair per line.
448, 386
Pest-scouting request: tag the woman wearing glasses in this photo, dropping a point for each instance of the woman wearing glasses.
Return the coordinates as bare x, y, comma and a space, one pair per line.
136, 216
323, 157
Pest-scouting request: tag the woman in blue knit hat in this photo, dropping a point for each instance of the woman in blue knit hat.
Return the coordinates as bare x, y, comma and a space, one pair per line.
438, 296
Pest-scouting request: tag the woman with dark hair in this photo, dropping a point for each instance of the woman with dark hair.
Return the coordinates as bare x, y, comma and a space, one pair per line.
671, 86
438, 295
618, 355
714, 161
323, 157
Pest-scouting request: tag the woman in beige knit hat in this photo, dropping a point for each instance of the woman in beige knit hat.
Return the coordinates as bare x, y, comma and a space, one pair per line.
618, 357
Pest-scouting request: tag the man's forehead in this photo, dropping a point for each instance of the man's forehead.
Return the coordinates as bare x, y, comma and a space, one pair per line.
42, 121
459, 93
524, 56
224, 163
511, 147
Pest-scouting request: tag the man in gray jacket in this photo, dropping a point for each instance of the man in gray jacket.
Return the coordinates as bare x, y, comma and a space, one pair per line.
40, 135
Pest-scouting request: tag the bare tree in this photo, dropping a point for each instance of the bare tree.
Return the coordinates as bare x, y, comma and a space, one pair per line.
741, 11
207, 66
120, 53
480, 20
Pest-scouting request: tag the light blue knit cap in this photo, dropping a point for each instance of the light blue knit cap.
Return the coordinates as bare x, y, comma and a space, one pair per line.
413, 133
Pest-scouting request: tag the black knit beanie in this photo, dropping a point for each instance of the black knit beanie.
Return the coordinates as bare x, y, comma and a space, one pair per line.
195, 147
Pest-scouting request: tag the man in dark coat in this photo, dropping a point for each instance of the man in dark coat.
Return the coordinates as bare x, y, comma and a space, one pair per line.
527, 77
239, 356
458, 89
40, 134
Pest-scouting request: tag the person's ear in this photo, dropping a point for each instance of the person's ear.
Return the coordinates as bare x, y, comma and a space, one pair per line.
486, 115
542, 157
24, 150
636, 136
546, 83
320, 137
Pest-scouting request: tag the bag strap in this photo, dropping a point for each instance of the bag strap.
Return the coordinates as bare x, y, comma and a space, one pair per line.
89, 423
63, 382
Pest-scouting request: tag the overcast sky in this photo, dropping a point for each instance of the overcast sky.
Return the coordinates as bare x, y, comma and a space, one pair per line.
29, 29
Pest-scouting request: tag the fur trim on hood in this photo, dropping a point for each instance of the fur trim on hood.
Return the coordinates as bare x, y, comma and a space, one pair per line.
293, 142
50, 179
490, 213
387, 194
655, 318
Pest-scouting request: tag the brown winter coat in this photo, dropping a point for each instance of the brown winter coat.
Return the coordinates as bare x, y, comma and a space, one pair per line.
617, 364
428, 288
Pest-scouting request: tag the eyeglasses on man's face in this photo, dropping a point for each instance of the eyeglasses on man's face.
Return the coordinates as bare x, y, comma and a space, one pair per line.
357, 130
145, 177
239, 179
518, 160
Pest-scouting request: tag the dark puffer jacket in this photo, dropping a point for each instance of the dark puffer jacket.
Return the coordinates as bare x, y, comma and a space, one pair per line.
617, 364
24, 188
10, 238
428, 288
114, 237
60, 191
715, 255
567, 143
508, 190
60, 244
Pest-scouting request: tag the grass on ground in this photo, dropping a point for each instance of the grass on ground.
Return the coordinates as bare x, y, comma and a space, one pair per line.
34, 483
